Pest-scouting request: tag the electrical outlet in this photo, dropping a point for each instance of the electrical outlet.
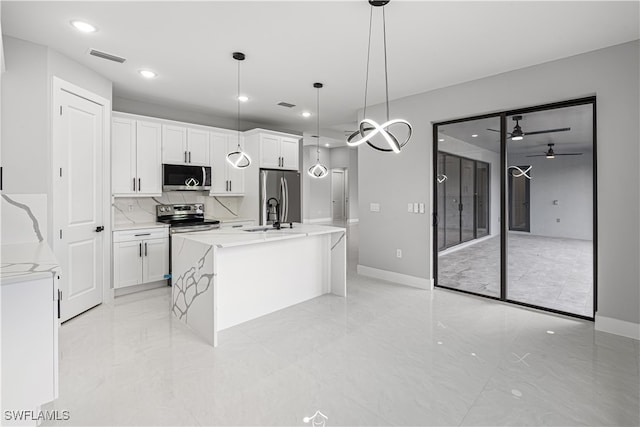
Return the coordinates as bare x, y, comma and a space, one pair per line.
557, 219
398, 253
410, 208
130, 207
374, 207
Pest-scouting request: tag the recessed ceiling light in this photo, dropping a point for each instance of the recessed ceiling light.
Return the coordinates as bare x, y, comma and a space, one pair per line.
550, 332
441, 140
147, 74
475, 135
326, 145
306, 114
243, 98
84, 27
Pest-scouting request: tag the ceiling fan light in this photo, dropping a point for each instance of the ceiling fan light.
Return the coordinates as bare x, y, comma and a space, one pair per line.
517, 138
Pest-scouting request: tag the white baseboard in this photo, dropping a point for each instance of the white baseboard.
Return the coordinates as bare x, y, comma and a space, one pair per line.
392, 276
317, 220
618, 327
138, 288
353, 220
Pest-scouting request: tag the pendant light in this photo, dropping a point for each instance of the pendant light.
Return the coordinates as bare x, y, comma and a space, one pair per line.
368, 128
318, 170
238, 159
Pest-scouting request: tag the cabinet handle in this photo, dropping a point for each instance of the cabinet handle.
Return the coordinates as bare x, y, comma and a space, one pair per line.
134, 184
139, 184
185, 157
140, 246
230, 186
189, 156
142, 234
145, 248
59, 299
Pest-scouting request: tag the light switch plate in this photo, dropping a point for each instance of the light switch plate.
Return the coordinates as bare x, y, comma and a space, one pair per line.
421, 208
415, 208
410, 208
374, 207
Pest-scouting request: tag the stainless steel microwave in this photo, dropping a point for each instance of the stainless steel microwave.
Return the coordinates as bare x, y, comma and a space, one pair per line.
186, 178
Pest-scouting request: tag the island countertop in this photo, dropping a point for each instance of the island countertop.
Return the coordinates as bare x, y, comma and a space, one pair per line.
248, 235
27, 261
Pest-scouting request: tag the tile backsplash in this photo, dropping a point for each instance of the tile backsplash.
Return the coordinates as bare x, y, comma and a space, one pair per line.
137, 210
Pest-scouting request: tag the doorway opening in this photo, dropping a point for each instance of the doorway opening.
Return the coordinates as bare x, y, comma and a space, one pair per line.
338, 195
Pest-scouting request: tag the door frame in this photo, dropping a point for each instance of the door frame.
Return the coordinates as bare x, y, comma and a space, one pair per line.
59, 85
504, 225
344, 192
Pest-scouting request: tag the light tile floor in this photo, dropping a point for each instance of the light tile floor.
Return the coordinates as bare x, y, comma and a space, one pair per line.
386, 355
550, 272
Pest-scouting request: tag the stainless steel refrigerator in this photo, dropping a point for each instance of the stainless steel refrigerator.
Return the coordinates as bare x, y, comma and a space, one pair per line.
280, 196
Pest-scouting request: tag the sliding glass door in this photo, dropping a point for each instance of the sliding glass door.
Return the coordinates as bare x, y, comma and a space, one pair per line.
514, 197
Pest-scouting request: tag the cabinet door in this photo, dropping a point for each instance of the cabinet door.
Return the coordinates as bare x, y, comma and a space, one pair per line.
219, 150
289, 153
198, 147
235, 176
174, 145
123, 155
149, 155
127, 263
155, 263
269, 152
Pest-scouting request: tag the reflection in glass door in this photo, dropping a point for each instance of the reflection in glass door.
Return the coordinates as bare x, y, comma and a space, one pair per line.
519, 192
468, 235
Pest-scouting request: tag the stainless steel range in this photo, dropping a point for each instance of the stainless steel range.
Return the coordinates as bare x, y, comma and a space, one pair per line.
185, 218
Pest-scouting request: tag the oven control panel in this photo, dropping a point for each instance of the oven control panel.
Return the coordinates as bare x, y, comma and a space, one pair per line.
187, 209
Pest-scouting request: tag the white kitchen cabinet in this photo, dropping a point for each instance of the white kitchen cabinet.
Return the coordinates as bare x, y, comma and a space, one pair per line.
140, 256
136, 164
29, 328
185, 145
227, 180
278, 151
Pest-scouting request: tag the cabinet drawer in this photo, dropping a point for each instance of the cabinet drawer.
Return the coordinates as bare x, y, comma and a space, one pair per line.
140, 234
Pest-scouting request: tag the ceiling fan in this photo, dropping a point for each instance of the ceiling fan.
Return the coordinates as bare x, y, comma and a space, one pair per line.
550, 154
517, 134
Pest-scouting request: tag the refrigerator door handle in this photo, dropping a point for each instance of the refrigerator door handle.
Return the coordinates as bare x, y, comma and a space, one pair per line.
286, 205
263, 200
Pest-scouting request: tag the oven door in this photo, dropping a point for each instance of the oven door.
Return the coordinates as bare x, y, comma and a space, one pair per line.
186, 178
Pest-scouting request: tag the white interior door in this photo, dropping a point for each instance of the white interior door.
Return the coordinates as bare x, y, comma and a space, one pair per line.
78, 138
337, 194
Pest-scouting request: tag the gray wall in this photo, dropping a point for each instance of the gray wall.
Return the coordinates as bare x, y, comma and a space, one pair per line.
393, 180
569, 180
26, 113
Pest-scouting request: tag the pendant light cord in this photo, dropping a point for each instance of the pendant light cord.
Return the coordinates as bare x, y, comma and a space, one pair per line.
366, 81
318, 126
238, 101
386, 79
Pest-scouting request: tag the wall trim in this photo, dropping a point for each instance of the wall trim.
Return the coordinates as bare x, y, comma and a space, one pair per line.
353, 220
392, 276
317, 220
618, 327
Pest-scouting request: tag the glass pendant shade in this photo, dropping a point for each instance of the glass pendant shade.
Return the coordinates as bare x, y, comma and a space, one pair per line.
238, 158
318, 170
385, 137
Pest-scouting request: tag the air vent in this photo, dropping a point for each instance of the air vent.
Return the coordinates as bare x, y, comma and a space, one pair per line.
286, 104
106, 56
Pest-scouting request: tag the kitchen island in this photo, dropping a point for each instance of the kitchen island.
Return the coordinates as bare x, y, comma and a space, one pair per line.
225, 277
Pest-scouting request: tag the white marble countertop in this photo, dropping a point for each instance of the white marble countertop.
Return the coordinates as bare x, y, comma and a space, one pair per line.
230, 237
139, 225
26, 261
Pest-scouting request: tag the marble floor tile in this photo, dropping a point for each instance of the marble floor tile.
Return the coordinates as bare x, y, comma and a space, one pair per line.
386, 355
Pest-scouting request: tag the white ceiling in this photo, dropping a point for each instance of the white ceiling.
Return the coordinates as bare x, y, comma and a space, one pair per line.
292, 44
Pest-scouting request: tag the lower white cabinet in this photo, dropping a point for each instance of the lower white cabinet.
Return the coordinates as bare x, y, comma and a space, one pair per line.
140, 256
29, 344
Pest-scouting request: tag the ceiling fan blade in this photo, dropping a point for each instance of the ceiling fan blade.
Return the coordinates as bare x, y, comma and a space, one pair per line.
495, 130
568, 154
537, 132
538, 155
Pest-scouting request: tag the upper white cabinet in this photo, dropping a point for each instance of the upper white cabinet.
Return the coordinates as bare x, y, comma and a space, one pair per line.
227, 180
185, 145
136, 162
277, 151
